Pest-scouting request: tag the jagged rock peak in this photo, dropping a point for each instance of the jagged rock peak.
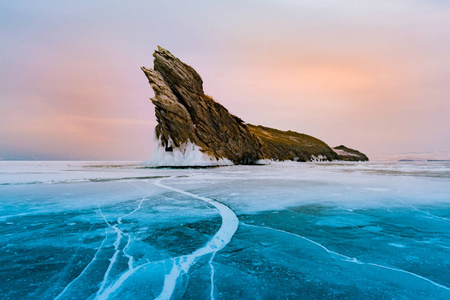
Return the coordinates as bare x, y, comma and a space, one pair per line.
177, 72
185, 114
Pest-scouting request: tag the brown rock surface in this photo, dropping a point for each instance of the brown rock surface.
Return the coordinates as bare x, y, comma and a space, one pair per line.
291, 145
184, 113
349, 154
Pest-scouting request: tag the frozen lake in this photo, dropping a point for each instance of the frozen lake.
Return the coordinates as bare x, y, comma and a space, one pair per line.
99, 230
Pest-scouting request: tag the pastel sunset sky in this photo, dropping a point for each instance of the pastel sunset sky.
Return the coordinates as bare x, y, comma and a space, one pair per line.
372, 75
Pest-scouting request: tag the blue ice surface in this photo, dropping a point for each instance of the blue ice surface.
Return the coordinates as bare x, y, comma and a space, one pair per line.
72, 230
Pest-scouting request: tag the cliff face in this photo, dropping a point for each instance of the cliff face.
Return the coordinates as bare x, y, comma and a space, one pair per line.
185, 114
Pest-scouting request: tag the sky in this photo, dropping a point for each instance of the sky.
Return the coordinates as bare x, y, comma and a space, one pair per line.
372, 75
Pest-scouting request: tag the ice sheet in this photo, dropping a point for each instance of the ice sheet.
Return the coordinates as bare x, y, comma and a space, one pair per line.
115, 230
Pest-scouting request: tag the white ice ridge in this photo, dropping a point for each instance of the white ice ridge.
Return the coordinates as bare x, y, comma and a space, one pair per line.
188, 155
320, 157
350, 259
222, 237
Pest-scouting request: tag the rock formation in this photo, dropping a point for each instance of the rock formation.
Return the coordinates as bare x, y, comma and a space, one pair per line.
350, 154
186, 115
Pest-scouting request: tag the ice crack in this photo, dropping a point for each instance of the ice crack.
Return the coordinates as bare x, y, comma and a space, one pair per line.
114, 257
222, 237
85, 269
352, 259
104, 293
212, 275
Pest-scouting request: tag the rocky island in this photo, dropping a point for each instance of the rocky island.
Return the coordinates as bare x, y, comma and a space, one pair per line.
193, 128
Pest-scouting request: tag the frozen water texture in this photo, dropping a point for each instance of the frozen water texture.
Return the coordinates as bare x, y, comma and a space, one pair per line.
188, 155
116, 230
